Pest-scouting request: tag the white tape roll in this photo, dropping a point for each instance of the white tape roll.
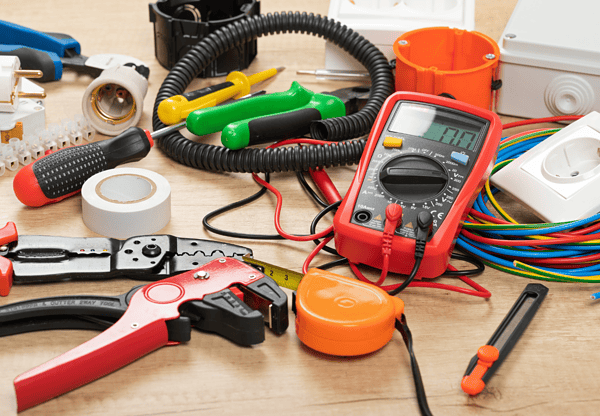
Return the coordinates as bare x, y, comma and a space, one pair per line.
126, 202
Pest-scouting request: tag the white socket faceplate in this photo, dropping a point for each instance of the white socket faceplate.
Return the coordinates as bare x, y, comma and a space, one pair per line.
558, 179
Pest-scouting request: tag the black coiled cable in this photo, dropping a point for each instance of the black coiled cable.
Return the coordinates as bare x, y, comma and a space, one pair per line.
218, 158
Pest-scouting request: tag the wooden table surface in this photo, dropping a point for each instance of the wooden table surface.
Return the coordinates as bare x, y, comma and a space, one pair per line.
551, 371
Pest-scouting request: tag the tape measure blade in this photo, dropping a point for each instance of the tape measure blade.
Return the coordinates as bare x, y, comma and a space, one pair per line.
283, 277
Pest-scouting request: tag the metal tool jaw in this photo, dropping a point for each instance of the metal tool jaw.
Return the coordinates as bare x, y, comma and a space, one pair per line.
147, 318
42, 259
354, 98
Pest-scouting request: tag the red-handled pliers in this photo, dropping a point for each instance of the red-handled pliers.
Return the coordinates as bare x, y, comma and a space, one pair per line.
8, 234
143, 327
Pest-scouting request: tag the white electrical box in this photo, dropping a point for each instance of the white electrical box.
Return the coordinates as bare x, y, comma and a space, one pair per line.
550, 59
559, 178
383, 21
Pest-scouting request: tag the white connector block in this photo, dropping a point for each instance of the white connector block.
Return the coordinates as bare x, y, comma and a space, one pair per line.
34, 146
8, 157
20, 151
59, 135
72, 131
47, 140
559, 178
84, 125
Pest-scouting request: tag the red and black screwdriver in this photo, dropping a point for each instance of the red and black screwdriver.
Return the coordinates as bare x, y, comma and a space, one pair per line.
61, 174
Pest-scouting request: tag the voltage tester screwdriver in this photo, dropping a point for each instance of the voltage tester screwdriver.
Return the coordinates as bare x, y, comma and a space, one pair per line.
59, 175
237, 85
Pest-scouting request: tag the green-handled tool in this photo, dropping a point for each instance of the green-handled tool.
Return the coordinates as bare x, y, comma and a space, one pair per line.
276, 116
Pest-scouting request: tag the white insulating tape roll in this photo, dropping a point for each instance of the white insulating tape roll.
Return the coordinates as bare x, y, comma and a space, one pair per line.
126, 202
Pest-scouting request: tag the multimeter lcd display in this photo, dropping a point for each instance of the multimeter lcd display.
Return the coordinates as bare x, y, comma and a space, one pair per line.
437, 124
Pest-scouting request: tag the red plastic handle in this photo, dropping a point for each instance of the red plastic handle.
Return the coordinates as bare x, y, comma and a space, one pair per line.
28, 191
6, 276
473, 384
142, 329
8, 234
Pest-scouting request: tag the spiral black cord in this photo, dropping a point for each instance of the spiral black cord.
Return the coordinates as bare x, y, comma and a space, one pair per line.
218, 158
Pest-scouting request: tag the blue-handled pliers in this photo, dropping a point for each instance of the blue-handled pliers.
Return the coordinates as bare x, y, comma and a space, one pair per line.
50, 52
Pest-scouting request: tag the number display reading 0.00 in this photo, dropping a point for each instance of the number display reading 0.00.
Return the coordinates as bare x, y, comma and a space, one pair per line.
437, 124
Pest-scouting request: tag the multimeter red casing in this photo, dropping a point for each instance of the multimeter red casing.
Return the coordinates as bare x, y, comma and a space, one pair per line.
359, 222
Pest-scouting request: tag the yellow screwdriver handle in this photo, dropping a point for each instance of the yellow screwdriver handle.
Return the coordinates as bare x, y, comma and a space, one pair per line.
177, 108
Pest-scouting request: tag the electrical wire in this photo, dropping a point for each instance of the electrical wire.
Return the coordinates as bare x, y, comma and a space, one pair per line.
234, 205
280, 230
408, 280
565, 251
338, 129
479, 290
339, 262
311, 192
402, 327
313, 253
479, 266
540, 120
315, 221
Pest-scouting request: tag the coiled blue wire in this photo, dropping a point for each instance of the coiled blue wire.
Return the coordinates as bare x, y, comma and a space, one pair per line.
498, 254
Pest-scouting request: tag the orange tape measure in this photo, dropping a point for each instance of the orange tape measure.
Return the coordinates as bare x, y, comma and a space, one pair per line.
341, 316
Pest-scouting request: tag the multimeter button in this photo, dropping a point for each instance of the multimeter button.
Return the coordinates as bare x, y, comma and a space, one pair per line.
394, 142
460, 158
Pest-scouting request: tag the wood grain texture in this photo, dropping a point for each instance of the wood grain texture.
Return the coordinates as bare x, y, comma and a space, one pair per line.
551, 371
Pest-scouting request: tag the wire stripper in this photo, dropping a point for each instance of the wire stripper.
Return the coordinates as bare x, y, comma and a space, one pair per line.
147, 318
44, 259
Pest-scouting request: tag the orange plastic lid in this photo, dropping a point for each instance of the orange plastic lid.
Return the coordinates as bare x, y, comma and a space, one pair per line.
341, 316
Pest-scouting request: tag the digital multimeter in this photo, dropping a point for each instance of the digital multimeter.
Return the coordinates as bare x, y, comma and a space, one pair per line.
424, 153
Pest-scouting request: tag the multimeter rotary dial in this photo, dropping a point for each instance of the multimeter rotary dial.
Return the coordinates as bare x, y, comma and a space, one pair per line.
413, 178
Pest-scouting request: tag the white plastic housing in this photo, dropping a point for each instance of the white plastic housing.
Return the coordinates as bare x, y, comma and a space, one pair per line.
550, 59
383, 21
559, 178
9, 84
29, 112
106, 116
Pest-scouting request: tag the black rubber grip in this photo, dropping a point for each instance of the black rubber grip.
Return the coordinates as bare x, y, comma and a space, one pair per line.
109, 306
192, 95
34, 59
65, 171
225, 314
282, 126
